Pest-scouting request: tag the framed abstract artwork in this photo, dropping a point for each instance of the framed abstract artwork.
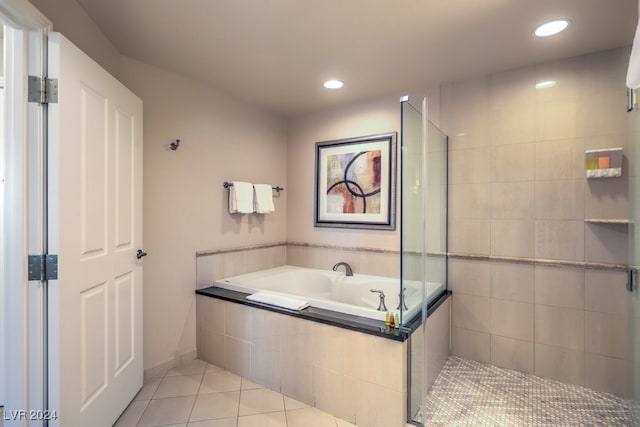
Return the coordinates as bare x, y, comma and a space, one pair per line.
356, 182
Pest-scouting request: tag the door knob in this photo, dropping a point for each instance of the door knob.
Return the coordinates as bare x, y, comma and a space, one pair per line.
140, 254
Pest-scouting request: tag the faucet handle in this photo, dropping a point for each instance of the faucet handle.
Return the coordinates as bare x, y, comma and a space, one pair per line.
401, 300
381, 306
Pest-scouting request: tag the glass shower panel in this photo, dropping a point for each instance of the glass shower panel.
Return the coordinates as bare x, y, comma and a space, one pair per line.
436, 213
423, 238
412, 246
412, 197
634, 263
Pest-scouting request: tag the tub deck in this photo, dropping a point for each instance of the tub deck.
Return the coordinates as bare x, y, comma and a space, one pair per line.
335, 291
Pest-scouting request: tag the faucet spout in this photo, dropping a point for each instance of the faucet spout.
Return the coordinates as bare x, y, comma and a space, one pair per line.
347, 268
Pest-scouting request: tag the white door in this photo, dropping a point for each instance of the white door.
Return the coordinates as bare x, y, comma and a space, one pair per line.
95, 227
2, 335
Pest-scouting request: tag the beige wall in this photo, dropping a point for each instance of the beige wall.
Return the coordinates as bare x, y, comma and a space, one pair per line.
357, 120
70, 19
185, 205
366, 118
518, 189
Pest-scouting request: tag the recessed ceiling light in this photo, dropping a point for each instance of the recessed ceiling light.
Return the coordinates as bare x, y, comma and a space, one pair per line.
546, 84
551, 28
333, 84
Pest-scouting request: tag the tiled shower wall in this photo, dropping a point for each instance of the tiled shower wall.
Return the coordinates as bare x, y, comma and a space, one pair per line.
536, 288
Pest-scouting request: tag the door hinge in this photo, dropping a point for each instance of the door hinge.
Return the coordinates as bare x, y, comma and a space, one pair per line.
632, 278
43, 267
43, 90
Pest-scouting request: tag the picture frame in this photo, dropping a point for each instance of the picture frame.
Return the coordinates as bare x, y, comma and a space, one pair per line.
356, 182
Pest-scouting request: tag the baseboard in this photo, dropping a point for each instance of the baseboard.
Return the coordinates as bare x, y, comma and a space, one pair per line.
162, 368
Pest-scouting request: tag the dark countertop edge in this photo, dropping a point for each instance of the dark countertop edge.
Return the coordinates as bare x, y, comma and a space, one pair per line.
328, 317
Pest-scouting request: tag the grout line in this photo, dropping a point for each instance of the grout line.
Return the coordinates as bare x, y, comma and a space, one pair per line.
239, 400
195, 398
239, 397
141, 413
284, 405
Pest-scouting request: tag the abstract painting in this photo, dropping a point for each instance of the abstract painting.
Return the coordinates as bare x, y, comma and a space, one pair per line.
355, 182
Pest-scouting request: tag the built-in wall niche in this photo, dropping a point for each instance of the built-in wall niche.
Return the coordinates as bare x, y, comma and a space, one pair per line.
604, 163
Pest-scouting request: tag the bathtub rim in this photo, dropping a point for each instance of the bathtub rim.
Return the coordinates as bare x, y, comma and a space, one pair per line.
238, 283
329, 317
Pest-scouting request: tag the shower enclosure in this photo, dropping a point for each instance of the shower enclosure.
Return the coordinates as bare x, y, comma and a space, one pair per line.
634, 258
423, 164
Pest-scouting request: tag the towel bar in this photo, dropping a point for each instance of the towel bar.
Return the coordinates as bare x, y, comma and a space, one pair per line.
228, 184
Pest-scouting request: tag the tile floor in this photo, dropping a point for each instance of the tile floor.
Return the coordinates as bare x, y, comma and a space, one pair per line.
466, 393
472, 393
203, 395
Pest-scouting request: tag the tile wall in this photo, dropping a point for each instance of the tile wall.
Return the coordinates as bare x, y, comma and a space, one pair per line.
384, 263
535, 287
212, 265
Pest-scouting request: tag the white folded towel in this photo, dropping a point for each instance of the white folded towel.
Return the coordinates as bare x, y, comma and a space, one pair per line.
241, 197
263, 198
278, 300
633, 72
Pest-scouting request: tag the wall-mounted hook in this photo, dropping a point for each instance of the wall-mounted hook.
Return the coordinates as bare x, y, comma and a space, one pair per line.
174, 145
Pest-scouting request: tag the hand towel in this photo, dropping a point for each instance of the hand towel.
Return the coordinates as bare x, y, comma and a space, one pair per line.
633, 72
263, 198
241, 197
278, 300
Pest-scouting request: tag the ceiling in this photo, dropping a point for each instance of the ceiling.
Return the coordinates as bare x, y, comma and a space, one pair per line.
277, 53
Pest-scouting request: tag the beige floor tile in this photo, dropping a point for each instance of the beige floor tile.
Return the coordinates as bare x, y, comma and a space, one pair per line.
291, 404
248, 385
215, 405
223, 422
309, 417
193, 367
178, 385
157, 372
149, 389
343, 423
132, 414
214, 382
167, 411
213, 368
260, 401
274, 419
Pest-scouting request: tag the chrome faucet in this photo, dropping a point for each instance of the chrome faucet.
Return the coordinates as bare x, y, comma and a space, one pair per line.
381, 305
347, 268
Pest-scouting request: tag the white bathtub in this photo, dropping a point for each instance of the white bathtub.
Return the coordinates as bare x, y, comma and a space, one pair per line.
332, 290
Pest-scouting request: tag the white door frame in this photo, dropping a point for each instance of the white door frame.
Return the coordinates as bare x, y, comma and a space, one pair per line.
23, 229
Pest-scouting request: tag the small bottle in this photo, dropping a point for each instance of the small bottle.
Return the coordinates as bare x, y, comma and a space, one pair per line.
397, 320
391, 321
387, 319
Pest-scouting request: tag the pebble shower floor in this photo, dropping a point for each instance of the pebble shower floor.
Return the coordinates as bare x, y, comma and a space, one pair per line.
470, 393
